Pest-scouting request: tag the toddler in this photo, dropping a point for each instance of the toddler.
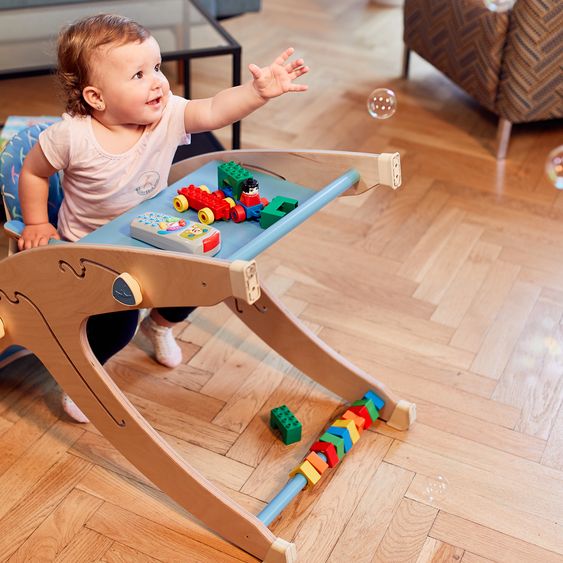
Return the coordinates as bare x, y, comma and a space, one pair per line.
116, 143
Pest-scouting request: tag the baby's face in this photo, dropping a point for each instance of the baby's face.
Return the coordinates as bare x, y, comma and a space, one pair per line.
133, 87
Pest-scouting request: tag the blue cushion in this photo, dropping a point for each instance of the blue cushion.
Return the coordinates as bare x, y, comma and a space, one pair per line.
11, 161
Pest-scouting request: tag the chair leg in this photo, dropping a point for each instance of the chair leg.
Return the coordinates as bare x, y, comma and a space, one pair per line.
503, 137
406, 60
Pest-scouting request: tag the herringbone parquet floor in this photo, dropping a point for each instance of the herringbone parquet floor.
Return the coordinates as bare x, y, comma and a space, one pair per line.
449, 290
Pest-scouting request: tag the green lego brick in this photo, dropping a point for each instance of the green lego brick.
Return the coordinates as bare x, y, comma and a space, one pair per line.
378, 402
282, 419
233, 175
368, 403
279, 207
336, 440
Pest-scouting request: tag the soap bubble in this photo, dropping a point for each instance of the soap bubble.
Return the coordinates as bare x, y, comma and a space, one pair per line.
554, 167
382, 103
436, 487
499, 5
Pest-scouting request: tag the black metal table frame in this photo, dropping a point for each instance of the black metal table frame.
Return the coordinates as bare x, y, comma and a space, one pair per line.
233, 48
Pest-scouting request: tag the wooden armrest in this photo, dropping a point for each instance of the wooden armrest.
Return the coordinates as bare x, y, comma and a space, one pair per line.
311, 168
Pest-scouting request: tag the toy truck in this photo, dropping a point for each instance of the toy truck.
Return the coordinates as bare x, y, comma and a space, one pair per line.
210, 206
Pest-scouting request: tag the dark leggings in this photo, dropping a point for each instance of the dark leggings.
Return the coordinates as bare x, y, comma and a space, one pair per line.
110, 332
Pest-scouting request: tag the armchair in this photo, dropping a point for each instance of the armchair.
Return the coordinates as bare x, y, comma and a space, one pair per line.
511, 63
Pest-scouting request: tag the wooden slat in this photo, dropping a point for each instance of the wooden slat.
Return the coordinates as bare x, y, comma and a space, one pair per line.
486, 542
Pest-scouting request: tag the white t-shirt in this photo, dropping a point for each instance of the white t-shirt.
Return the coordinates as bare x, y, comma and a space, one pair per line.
99, 186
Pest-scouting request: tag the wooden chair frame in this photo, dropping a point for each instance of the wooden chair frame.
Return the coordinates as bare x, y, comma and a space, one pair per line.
48, 293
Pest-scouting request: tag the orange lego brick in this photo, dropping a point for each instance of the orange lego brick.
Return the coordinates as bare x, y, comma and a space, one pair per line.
358, 420
315, 460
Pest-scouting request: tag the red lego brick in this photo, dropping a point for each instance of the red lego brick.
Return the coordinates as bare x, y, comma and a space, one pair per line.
362, 411
328, 450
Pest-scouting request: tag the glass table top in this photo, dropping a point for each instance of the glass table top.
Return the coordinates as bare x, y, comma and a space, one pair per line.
28, 35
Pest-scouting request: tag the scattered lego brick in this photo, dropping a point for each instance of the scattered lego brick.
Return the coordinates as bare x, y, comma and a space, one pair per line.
368, 403
344, 434
306, 469
328, 449
377, 400
319, 464
358, 420
362, 411
338, 442
282, 419
350, 426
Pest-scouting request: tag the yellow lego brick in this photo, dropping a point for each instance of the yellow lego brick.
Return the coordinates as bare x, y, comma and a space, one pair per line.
308, 471
350, 426
314, 459
358, 420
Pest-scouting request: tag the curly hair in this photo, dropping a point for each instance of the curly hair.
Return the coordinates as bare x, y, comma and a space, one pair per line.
76, 45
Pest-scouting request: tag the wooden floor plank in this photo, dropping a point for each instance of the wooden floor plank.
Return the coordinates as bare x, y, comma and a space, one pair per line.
407, 532
57, 530
449, 290
486, 542
152, 539
372, 515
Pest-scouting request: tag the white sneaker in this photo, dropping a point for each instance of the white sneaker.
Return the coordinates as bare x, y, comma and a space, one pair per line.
166, 349
69, 406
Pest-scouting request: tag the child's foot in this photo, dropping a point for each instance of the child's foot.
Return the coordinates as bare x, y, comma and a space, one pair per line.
166, 349
69, 406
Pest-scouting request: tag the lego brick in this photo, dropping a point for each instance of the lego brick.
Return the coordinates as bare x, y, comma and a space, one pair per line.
320, 465
328, 450
377, 400
279, 207
233, 175
362, 411
350, 426
344, 434
308, 471
368, 403
358, 420
282, 419
338, 442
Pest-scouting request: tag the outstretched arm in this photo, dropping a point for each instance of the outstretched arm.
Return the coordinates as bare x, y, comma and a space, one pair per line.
233, 104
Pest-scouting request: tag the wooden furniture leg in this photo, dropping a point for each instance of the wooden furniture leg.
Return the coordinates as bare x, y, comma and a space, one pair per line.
47, 314
503, 137
288, 336
406, 62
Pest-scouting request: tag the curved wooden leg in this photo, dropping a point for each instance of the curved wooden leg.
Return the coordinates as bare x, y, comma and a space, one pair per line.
46, 296
80, 375
286, 334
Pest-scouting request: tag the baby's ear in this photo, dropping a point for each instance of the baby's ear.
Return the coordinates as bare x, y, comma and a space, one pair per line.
93, 97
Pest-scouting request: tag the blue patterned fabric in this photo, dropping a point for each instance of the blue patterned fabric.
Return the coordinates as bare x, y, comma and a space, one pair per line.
11, 161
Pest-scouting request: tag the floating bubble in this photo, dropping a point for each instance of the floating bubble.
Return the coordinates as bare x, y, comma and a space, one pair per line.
499, 6
382, 103
436, 487
554, 167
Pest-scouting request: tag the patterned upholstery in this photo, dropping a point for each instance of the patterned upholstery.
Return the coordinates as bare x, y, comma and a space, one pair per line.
531, 81
11, 161
509, 62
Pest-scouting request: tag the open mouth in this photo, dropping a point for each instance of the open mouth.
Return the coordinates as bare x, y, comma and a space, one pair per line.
155, 102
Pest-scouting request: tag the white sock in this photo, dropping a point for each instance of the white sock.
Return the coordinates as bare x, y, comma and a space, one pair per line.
69, 406
166, 349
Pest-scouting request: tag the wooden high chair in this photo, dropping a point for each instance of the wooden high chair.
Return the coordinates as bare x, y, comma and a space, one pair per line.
48, 293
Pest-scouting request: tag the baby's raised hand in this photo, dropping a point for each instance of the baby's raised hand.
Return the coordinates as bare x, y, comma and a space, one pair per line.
277, 79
